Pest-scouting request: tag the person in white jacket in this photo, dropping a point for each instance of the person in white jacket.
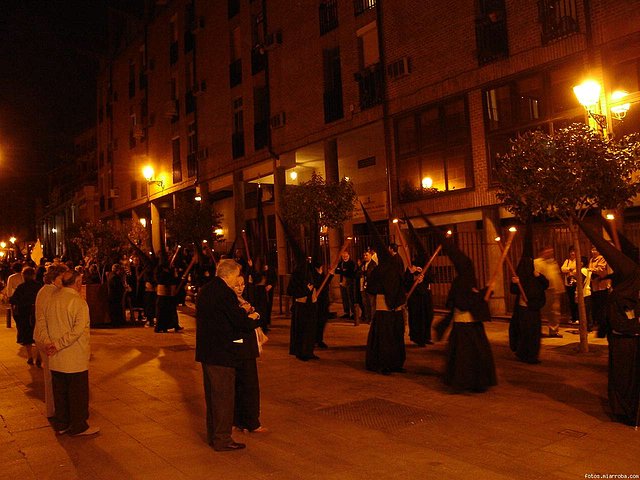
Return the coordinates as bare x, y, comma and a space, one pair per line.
67, 323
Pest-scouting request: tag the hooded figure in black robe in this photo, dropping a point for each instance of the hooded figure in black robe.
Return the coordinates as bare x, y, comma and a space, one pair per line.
526, 325
420, 303
470, 363
385, 343
623, 322
304, 308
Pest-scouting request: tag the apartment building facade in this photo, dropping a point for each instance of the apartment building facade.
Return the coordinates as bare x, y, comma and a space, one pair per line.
410, 99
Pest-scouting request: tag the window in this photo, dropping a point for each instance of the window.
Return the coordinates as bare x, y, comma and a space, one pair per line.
235, 67
258, 59
328, 11
361, 6
558, 18
237, 137
173, 47
177, 163
189, 24
434, 150
544, 101
333, 107
491, 31
132, 79
192, 150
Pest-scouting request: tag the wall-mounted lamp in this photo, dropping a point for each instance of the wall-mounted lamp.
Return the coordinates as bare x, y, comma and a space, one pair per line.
143, 222
147, 173
293, 175
13, 239
619, 110
53, 230
588, 94
198, 196
3, 244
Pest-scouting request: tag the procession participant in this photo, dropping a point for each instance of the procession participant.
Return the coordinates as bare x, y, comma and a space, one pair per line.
347, 270
420, 303
623, 326
23, 302
263, 282
385, 342
526, 324
304, 312
546, 264
368, 300
323, 302
470, 364
166, 300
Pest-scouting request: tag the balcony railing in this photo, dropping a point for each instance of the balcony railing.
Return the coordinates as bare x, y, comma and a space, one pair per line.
361, 6
328, 16
333, 108
370, 82
237, 144
235, 73
559, 19
491, 38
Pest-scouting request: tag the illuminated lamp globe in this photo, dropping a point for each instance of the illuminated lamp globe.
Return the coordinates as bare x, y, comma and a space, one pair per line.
427, 182
587, 93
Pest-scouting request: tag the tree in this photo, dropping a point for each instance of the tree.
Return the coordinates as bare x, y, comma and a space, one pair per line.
101, 244
565, 175
193, 222
316, 204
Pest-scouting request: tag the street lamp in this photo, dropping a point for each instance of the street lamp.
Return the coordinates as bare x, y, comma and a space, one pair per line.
588, 94
620, 108
13, 239
147, 173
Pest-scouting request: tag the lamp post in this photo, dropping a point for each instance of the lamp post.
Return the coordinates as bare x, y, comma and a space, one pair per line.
588, 94
148, 174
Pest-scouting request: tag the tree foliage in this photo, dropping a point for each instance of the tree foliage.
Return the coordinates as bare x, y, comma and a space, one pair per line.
565, 174
318, 202
100, 243
192, 222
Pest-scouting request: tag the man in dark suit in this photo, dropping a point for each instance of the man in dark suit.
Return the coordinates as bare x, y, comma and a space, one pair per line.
221, 328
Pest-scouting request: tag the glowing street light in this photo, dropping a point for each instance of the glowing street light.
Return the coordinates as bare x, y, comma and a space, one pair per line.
619, 110
13, 239
588, 94
148, 172
143, 222
427, 182
3, 244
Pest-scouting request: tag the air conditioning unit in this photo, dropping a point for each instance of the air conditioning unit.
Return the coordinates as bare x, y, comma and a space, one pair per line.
272, 40
399, 68
114, 192
278, 120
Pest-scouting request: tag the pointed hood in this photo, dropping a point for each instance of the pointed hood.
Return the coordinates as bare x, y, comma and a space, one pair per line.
533, 287
387, 277
417, 243
300, 258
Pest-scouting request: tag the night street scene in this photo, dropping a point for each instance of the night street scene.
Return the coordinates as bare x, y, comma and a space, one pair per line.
319, 239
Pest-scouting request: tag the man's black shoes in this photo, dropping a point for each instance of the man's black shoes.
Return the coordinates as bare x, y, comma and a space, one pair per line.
230, 446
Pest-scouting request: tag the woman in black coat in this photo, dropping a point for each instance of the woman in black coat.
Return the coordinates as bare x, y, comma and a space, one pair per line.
23, 302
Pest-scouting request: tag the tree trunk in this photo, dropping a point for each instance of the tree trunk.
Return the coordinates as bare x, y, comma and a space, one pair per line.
582, 311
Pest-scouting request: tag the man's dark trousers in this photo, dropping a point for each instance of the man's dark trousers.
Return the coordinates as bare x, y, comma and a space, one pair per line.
71, 399
219, 394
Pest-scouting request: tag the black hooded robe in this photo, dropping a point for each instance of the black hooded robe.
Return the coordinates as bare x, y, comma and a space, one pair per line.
304, 314
526, 325
385, 342
420, 306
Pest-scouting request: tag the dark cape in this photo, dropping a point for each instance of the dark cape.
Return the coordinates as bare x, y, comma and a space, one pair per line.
470, 364
420, 306
526, 325
385, 342
304, 313
623, 309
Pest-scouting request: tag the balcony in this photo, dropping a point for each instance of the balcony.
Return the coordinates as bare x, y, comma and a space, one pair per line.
361, 6
371, 87
491, 38
333, 108
235, 73
558, 18
328, 11
237, 144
